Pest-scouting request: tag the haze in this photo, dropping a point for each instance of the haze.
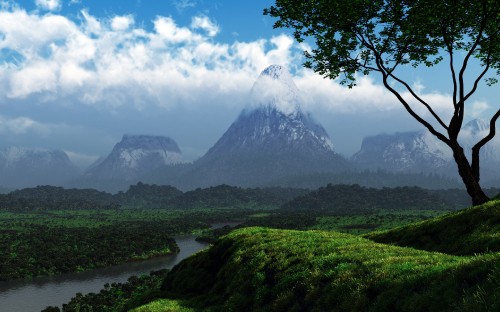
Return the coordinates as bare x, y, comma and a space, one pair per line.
77, 75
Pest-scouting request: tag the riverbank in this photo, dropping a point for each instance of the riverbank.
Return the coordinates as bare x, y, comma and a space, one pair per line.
35, 294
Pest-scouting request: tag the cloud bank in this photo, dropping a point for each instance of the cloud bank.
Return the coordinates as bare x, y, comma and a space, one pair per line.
114, 62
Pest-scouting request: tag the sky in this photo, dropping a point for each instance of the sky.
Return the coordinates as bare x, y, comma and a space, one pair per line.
76, 75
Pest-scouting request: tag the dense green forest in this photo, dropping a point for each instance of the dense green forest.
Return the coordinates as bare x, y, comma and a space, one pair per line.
370, 178
288, 270
50, 230
83, 229
338, 198
222, 196
42, 250
281, 270
138, 290
43, 198
350, 199
52, 242
144, 196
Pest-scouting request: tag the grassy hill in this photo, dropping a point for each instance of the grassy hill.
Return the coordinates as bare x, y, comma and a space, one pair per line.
259, 269
262, 269
465, 232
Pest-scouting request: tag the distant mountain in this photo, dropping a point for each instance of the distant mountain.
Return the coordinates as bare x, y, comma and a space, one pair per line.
271, 139
420, 151
404, 152
132, 157
26, 167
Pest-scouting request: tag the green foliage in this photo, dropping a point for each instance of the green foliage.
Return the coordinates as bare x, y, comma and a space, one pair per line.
144, 196
365, 36
280, 270
117, 297
354, 199
41, 250
165, 305
235, 197
370, 178
52, 242
362, 36
148, 196
366, 223
469, 231
42, 198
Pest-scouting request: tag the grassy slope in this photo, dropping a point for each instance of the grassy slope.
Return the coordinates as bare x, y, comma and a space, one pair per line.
259, 269
465, 232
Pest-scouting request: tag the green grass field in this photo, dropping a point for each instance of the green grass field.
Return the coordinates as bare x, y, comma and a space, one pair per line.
468, 231
262, 269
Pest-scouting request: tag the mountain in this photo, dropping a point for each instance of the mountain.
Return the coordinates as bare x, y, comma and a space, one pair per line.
422, 152
271, 139
132, 157
404, 152
26, 167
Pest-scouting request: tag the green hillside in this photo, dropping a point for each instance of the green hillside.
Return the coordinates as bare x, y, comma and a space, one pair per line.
465, 232
259, 269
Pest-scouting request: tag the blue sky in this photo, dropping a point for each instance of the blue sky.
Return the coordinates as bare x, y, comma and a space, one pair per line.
77, 75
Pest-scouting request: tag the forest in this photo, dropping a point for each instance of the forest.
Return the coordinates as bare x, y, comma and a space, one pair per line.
51, 230
256, 268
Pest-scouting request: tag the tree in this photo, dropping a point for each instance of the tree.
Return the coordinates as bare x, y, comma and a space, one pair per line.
381, 36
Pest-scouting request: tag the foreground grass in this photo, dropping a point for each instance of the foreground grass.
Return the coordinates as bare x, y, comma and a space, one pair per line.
465, 232
379, 220
164, 305
259, 269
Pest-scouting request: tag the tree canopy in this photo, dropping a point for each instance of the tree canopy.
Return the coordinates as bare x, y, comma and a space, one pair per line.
381, 36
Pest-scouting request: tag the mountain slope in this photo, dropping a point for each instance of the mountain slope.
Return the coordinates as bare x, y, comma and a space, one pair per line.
468, 231
258, 269
28, 167
272, 138
420, 151
404, 152
132, 157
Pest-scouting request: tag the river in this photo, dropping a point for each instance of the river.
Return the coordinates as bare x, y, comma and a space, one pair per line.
35, 294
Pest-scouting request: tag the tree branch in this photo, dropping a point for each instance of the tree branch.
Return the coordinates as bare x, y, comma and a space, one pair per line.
480, 144
429, 108
478, 79
408, 108
461, 102
449, 46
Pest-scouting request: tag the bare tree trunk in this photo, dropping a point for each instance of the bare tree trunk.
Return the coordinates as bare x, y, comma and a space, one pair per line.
468, 177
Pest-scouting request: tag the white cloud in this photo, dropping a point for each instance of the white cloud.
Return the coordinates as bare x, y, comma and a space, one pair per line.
478, 108
21, 125
50, 5
120, 23
203, 22
367, 96
114, 62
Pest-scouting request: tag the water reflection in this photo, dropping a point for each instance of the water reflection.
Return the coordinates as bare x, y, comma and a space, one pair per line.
36, 294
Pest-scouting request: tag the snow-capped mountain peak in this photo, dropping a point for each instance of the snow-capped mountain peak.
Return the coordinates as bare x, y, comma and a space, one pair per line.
134, 156
476, 126
275, 87
132, 149
271, 139
23, 167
